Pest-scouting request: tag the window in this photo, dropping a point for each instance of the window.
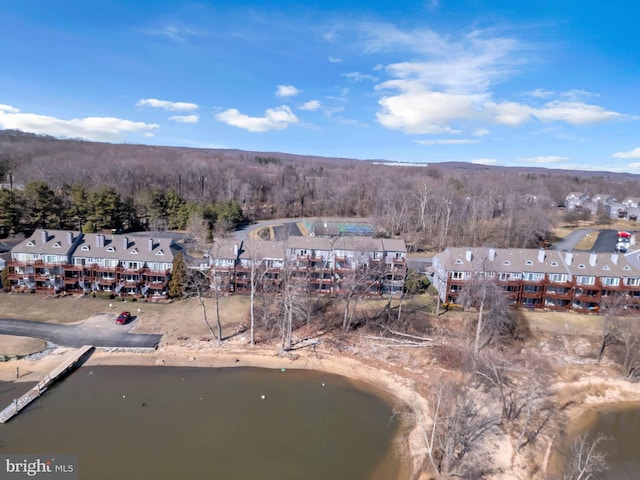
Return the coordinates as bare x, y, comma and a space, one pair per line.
111, 249
554, 264
584, 280
581, 266
85, 248
31, 244
160, 252
532, 276
529, 262
57, 245
134, 251
634, 282
610, 281
303, 253
506, 262
458, 275
558, 277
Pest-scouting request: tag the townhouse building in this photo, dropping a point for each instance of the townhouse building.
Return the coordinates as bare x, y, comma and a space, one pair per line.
538, 278
327, 265
53, 261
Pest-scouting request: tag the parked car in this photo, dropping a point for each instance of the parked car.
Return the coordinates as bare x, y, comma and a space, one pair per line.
123, 318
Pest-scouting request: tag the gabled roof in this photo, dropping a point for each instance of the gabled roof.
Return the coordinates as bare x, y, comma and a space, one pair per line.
125, 248
48, 242
539, 261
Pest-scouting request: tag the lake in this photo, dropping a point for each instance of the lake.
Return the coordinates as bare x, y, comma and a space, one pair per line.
196, 423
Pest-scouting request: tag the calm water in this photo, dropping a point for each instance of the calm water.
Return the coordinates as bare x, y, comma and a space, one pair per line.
622, 426
194, 423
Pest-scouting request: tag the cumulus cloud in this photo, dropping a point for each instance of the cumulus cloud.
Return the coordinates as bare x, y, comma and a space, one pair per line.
335, 60
544, 159
8, 109
185, 118
167, 105
635, 153
420, 111
311, 105
101, 129
447, 141
451, 82
277, 118
485, 161
287, 91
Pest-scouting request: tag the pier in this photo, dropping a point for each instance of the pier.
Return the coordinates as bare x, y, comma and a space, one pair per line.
20, 403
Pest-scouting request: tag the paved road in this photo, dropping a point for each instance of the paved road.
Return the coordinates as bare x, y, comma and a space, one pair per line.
100, 331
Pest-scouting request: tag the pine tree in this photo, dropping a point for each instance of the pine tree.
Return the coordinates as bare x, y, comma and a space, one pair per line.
178, 276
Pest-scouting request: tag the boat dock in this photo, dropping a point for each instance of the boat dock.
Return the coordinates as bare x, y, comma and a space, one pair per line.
20, 403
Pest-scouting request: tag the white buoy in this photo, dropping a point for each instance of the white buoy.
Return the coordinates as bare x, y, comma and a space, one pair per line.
323, 384
124, 396
263, 397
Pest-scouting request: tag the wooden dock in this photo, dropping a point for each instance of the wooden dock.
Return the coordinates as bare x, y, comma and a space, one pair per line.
20, 403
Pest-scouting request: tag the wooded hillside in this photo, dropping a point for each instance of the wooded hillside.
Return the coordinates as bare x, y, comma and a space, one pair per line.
70, 183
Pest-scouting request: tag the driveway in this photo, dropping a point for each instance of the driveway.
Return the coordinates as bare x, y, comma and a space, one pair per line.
100, 331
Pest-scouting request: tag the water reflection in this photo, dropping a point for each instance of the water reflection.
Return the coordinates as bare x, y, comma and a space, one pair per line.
168, 423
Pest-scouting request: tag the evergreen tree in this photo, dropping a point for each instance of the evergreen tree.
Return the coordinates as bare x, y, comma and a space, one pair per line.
178, 276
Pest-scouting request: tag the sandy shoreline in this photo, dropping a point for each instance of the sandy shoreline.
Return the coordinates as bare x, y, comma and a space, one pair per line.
390, 386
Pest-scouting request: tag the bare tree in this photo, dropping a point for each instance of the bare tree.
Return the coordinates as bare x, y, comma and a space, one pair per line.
484, 293
458, 425
586, 460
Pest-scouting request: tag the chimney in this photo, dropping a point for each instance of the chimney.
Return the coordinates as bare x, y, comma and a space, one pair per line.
99, 240
614, 258
151, 244
70, 238
492, 254
125, 242
468, 256
592, 259
45, 236
541, 255
568, 258
235, 250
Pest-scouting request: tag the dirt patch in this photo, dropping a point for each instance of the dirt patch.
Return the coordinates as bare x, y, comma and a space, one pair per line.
10, 345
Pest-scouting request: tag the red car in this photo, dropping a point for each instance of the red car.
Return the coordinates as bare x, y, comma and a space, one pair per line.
123, 318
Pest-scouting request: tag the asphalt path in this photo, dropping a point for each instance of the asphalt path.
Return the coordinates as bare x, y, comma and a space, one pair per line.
606, 241
99, 331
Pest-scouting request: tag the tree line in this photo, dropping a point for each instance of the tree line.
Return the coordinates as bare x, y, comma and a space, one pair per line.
76, 207
431, 206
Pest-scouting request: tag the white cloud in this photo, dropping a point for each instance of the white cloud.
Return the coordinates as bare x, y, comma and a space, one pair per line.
544, 159
100, 129
8, 109
287, 91
359, 77
454, 80
485, 161
167, 105
447, 141
311, 105
540, 93
481, 132
576, 113
633, 167
335, 60
635, 153
185, 118
421, 111
277, 118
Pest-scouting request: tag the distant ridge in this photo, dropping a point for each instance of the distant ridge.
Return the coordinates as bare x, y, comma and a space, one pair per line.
16, 145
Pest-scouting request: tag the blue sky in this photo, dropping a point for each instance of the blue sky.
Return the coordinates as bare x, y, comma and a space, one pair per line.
551, 83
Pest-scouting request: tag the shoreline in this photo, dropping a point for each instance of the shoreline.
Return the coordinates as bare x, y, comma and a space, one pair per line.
579, 399
393, 388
